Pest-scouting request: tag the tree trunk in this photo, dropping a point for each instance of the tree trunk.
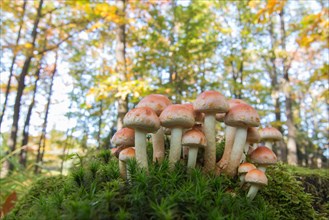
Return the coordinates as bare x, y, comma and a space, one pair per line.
120, 55
11, 70
23, 153
291, 143
42, 142
100, 121
281, 151
12, 141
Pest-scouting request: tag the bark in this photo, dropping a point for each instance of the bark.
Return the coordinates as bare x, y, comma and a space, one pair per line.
42, 141
120, 55
291, 143
68, 135
12, 141
11, 70
23, 153
273, 71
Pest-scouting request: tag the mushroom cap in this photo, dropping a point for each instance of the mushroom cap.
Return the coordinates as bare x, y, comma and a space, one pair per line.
220, 117
113, 150
198, 116
194, 138
234, 102
124, 137
253, 135
270, 134
246, 167
211, 102
143, 118
157, 102
177, 115
263, 156
256, 176
127, 154
242, 115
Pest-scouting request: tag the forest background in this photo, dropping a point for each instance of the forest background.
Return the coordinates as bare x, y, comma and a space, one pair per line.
70, 70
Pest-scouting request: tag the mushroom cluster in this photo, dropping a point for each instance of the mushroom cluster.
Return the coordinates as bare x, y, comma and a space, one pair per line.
192, 126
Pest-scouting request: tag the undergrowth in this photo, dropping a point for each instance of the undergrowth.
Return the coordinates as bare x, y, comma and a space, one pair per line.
94, 190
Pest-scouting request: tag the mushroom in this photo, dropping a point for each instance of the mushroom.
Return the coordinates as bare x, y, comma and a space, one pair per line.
198, 116
210, 103
240, 116
252, 138
263, 157
177, 117
124, 156
122, 139
194, 139
220, 117
257, 179
113, 150
229, 136
143, 120
270, 135
243, 169
157, 102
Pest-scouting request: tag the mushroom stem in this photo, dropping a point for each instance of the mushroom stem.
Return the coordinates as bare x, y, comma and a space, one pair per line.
123, 169
253, 191
158, 145
245, 152
210, 150
242, 179
229, 140
237, 151
268, 144
192, 157
140, 148
175, 146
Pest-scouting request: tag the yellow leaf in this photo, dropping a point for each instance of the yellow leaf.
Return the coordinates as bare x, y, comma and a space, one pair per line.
253, 3
28, 45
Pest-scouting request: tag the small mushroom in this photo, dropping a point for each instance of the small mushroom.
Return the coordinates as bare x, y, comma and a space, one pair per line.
210, 103
243, 169
158, 103
143, 120
176, 117
229, 136
240, 116
270, 135
257, 180
194, 139
263, 157
122, 139
124, 156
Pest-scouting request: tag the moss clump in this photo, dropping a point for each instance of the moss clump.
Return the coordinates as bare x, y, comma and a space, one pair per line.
316, 183
287, 195
94, 190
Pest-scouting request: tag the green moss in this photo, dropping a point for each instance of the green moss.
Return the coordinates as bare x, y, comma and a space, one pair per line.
94, 190
286, 194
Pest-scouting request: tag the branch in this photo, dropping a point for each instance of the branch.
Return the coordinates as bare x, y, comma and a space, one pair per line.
59, 43
50, 11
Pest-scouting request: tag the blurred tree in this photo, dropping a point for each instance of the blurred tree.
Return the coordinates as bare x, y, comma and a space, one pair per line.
13, 61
